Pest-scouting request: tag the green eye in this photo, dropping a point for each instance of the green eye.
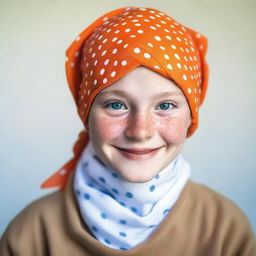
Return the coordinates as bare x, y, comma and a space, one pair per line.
115, 105
166, 105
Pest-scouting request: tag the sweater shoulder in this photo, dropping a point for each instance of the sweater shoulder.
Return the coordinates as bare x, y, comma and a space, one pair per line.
31, 223
224, 220
215, 201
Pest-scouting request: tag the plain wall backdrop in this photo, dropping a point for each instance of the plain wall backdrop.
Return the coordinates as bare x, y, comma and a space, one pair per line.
38, 119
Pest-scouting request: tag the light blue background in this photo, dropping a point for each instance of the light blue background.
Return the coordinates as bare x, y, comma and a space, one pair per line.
39, 124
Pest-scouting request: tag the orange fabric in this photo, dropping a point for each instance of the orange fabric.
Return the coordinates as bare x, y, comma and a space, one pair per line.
120, 41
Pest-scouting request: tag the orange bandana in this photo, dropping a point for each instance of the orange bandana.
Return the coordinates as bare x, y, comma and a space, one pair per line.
122, 40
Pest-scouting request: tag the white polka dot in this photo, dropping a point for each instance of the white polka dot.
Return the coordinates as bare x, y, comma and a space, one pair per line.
132, 35
169, 66
106, 62
173, 46
168, 37
125, 45
104, 52
192, 48
140, 31
201, 47
185, 66
124, 23
95, 82
63, 171
93, 55
66, 58
89, 91
115, 63
113, 73
161, 47
147, 55
178, 65
72, 64
78, 38
102, 71
198, 35
178, 38
91, 73
177, 56
167, 56
135, 20
146, 20
105, 80
114, 51
124, 62
117, 31
128, 30
105, 40
152, 17
100, 37
119, 41
95, 62
76, 54
157, 67
149, 44
158, 38
136, 50
184, 77
152, 27
114, 39
189, 90
137, 25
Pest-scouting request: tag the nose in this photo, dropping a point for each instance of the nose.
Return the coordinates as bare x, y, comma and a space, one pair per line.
140, 127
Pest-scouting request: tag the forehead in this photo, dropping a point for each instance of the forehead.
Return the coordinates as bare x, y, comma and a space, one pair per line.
142, 81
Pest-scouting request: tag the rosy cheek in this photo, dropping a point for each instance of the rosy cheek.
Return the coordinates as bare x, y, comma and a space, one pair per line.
173, 129
107, 128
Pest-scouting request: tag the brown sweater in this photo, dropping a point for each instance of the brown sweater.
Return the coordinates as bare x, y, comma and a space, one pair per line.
202, 223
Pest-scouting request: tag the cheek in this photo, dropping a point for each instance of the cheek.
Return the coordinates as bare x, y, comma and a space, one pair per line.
105, 128
173, 129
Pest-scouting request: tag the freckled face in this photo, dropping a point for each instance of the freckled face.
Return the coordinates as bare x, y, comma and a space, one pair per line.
138, 125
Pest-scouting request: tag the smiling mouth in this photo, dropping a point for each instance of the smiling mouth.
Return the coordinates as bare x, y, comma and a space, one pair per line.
138, 153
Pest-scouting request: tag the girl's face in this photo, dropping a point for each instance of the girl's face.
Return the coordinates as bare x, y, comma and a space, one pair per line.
138, 125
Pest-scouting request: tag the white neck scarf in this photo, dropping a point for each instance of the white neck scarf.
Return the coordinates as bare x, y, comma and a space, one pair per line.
122, 214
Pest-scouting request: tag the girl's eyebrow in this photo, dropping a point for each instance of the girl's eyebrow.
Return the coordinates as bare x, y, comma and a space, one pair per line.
158, 95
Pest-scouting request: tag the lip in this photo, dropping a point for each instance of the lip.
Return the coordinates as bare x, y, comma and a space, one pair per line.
138, 153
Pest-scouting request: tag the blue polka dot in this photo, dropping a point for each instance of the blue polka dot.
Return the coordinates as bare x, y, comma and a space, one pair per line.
152, 188
85, 165
129, 195
122, 203
123, 248
103, 215
166, 211
157, 176
122, 234
134, 209
87, 196
152, 226
102, 180
115, 191
94, 228
123, 222
91, 185
114, 175
107, 241
78, 192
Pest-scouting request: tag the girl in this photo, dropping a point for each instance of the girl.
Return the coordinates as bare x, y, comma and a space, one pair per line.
138, 78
